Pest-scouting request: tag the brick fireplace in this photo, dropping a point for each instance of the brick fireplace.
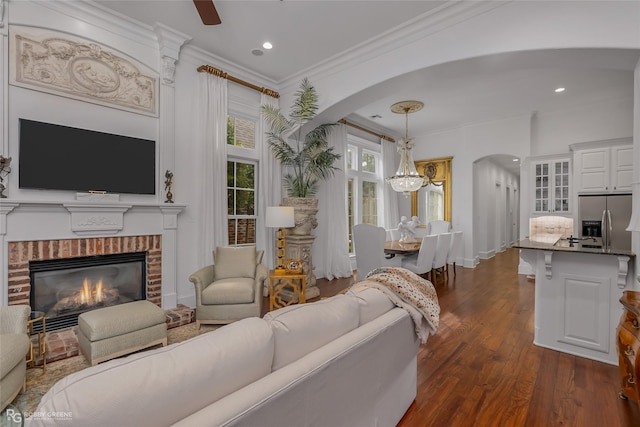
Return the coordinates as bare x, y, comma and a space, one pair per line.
44, 229
22, 252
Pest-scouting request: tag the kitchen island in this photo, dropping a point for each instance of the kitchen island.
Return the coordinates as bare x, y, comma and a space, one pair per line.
577, 295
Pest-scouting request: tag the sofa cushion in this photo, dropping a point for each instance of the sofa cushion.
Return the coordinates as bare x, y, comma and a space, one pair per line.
235, 262
238, 290
373, 303
13, 349
167, 384
300, 329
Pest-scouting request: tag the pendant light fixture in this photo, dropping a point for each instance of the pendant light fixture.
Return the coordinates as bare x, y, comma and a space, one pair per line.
407, 178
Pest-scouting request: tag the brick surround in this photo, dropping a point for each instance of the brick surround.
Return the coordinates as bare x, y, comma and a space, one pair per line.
20, 253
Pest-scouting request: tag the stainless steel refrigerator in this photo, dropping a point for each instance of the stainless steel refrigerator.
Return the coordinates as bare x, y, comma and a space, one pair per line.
603, 220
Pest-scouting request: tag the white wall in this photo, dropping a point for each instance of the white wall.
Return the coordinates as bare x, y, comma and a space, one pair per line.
553, 132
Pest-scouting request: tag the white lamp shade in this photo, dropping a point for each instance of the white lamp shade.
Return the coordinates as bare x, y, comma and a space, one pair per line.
279, 217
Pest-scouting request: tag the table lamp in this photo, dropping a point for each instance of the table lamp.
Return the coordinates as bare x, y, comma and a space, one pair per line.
280, 217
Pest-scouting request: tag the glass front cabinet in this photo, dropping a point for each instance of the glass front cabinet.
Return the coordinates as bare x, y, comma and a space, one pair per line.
552, 186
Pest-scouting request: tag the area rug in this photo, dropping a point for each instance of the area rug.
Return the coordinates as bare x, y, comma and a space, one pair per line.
38, 384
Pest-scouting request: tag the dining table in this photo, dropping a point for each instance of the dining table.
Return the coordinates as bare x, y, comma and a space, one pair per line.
396, 247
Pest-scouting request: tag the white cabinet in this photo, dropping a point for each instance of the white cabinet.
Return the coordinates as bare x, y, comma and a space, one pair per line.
604, 169
552, 186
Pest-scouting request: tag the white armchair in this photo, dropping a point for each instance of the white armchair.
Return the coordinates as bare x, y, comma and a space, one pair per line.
14, 345
231, 288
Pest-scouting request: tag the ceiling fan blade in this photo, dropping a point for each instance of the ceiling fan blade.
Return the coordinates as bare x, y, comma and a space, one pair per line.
208, 12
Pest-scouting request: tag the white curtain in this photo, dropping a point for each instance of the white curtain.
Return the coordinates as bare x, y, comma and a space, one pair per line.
212, 139
391, 214
269, 187
330, 250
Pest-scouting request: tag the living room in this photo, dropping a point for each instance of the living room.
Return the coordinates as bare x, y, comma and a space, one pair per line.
172, 120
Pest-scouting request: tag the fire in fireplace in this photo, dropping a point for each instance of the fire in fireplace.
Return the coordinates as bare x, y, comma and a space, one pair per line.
65, 288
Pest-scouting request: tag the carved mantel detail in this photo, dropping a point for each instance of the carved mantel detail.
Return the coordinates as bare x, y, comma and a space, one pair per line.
97, 219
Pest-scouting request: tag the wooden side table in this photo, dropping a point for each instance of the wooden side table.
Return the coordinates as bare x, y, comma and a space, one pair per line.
628, 346
38, 317
292, 284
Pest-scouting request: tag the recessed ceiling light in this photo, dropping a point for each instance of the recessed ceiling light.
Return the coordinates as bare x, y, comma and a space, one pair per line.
257, 52
516, 160
560, 89
267, 45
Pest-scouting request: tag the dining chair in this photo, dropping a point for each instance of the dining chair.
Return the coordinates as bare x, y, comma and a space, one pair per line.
438, 227
393, 234
442, 250
368, 244
423, 263
454, 250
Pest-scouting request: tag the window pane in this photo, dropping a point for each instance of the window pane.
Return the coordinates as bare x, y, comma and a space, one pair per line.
245, 133
244, 175
368, 162
369, 203
246, 231
350, 154
350, 214
231, 223
241, 132
244, 202
230, 201
230, 131
230, 174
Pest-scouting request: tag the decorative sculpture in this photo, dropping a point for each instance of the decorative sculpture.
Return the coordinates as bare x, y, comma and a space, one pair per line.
168, 182
407, 229
5, 169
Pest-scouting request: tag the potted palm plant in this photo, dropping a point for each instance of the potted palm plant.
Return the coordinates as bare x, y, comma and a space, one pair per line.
307, 158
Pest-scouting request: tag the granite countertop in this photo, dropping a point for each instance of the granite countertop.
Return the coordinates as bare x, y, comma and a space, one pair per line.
562, 245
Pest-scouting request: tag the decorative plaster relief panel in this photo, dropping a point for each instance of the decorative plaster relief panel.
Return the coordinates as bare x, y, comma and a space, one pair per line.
70, 66
100, 220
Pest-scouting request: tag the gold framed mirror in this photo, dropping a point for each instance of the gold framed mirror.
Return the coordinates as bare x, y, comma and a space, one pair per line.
433, 200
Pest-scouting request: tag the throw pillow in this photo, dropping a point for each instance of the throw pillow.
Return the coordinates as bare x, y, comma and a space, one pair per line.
230, 262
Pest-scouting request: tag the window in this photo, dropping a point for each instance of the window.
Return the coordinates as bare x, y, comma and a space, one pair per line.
241, 132
241, 196
364, 184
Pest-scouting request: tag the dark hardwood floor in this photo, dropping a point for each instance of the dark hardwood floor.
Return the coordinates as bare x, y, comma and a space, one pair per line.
482, 368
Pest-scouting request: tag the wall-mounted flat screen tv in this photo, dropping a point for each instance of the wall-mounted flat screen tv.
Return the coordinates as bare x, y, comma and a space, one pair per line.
55, 157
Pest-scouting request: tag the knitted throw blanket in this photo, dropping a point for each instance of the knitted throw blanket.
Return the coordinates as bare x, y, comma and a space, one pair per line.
409, 291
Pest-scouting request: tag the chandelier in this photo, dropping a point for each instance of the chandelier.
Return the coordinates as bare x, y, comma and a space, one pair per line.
407, 178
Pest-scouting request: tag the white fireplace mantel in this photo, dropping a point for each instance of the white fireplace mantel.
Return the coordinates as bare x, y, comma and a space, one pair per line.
28, 220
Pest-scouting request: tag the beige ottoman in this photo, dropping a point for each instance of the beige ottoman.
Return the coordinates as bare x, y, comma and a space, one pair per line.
114, 331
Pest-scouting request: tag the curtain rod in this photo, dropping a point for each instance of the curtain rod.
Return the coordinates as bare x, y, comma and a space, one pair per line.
379, 135
219, 73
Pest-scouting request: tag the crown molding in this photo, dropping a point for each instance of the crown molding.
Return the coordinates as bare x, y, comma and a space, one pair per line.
99, 16
422, 26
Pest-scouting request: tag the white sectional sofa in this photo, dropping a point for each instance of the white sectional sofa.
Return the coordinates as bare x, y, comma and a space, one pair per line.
349, 360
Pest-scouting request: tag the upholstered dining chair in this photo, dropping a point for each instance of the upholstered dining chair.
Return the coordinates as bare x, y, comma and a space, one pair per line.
368, 244
442, 251
393, 234
438, 227
423, 263
454, 250
231, 288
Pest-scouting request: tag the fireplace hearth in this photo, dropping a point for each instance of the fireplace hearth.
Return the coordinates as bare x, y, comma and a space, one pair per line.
65, 288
